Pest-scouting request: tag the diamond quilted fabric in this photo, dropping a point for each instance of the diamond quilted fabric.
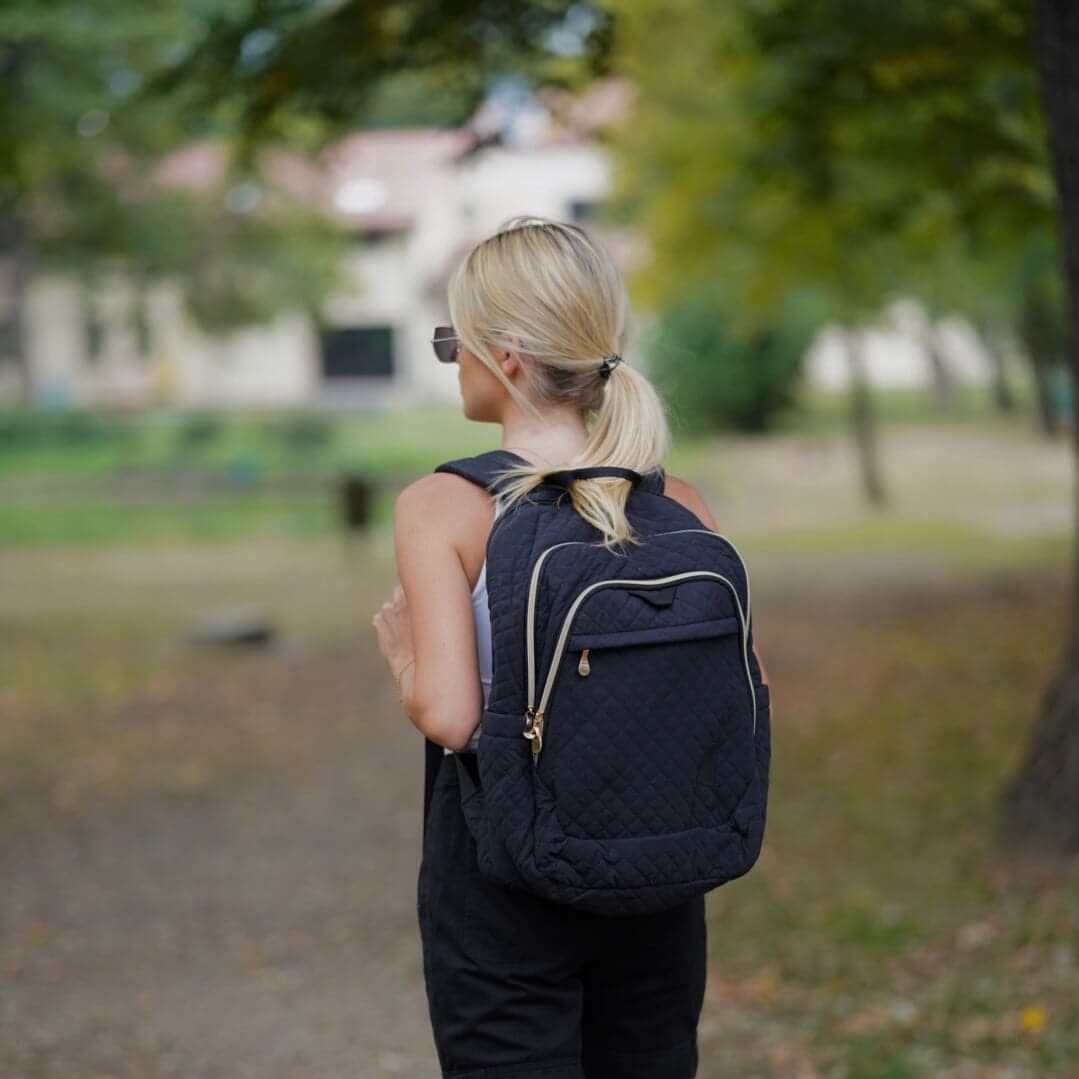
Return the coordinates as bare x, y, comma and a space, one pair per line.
652, 781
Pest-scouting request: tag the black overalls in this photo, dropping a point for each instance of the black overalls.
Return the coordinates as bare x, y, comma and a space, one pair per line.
520, 986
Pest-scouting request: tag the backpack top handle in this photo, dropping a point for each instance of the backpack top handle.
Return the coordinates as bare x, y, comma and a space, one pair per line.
565, 476
484, 468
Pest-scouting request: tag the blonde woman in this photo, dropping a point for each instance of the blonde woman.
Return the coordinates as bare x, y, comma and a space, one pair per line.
516, 985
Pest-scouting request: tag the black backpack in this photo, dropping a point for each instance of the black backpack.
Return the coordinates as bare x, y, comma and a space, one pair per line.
623, 757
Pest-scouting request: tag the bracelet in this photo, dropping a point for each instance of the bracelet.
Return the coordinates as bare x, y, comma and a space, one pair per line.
398, 675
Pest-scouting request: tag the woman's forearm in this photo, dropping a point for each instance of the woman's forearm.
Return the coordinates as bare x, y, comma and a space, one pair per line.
439, 729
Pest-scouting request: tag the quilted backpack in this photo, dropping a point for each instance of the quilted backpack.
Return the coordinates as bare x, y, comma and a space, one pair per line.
623, 756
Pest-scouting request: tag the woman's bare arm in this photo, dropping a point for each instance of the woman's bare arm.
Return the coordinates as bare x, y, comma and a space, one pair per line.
441, 692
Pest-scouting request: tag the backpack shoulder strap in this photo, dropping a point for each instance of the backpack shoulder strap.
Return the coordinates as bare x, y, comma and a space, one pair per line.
482, 469
654, 482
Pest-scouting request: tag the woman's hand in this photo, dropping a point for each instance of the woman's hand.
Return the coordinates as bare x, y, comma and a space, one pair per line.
393, 625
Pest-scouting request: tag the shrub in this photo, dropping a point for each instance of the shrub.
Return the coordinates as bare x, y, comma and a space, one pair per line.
716, 375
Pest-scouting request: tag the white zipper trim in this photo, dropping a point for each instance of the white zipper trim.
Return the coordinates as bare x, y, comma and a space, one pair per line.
552, 671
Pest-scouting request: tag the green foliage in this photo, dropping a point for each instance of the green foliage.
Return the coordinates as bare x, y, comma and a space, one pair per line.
865, 151
303, 431
245, 269
199, 430
428, 98
269, 61
82, 134
716, 374
93, 96
27, 431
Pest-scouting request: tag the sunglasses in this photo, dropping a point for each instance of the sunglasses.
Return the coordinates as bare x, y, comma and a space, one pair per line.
446, 344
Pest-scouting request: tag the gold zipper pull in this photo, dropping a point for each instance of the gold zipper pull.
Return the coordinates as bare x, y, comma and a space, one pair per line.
534, 730
583, 668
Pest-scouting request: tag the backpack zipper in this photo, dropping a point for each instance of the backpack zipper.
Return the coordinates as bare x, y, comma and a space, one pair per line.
530, 625
741, 560
534, 720
535, 716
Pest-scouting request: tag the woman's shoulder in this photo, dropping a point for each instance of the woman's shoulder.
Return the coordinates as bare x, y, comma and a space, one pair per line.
685, 494
441, 497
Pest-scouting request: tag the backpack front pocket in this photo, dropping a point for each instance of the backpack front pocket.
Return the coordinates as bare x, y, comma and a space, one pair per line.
648, 697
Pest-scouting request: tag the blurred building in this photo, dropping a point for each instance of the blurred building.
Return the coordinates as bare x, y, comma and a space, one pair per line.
414, 200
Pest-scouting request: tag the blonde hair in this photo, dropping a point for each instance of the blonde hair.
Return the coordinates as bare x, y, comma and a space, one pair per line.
549, 286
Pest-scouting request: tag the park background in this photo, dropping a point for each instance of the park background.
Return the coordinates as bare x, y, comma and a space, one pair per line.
227, 228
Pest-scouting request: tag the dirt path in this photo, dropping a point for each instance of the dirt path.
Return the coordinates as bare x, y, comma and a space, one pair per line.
263, 930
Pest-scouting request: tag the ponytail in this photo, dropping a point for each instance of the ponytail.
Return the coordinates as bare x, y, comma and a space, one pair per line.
559, 294
630, 429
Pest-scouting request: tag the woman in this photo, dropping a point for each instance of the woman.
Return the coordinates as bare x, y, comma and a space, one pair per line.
516, 985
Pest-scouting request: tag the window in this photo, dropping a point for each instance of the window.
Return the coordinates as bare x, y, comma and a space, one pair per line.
368, 238
357, 352
582, 210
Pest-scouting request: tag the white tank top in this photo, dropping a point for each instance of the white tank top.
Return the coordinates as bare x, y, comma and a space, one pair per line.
482, 618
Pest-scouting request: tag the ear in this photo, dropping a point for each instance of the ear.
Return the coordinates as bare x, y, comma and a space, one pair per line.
511, 357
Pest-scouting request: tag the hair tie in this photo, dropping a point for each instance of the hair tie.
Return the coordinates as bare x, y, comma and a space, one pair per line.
608, 365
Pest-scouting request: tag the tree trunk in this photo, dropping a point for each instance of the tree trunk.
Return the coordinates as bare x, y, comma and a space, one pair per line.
1048, 419
864, 421
996, 349
15, 245
1042, 347
1039, 807
944, 389
1037, 349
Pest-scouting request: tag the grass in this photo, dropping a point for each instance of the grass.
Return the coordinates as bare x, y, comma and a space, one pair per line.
109, 520
881, 932
90, 446
817, 411
103, 696
881, 935
75, 479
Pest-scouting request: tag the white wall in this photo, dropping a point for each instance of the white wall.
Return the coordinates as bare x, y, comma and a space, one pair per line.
399, 283
896, 356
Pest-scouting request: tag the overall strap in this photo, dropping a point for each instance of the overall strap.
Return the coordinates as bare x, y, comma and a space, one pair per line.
432, 762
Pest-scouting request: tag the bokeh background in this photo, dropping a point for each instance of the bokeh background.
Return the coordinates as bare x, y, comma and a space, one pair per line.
227, 227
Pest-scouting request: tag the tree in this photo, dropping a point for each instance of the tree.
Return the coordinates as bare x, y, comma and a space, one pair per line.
79, 143
716, 377
1039, 808
866, 152
789, 124
92, 96
268, 59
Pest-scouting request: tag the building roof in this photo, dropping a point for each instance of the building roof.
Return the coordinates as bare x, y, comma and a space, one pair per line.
379, 180
375, 180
